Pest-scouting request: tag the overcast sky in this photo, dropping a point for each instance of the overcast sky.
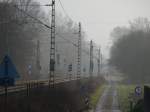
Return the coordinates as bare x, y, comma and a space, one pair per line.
99, 17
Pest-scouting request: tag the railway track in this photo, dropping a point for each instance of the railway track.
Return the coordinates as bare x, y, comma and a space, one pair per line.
23, 85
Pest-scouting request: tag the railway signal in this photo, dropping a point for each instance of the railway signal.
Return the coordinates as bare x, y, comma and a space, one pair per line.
29, 70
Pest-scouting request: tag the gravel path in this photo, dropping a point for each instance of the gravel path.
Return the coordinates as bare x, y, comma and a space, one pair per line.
108, 101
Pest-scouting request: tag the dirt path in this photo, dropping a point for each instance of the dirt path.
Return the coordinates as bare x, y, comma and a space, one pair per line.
115, 104
108, 101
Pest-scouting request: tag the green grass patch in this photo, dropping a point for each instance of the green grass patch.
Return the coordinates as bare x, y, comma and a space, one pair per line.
96, 95
123, 96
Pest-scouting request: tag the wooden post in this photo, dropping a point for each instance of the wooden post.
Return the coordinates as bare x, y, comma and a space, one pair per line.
28, 97
131, 106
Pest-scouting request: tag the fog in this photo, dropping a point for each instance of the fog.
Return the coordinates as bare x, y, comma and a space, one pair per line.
20, 34
99, 17
130, 51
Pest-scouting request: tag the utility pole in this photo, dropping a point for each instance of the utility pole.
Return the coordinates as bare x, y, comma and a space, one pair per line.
38, 58
101, 62
98, 61
91, 59
52, 47
79, 54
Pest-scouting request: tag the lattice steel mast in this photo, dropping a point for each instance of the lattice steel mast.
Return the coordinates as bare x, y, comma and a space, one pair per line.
98, 62
79, 54
52, 47
91, 59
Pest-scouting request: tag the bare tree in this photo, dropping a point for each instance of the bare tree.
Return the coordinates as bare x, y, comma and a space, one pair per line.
130, 52
18, 31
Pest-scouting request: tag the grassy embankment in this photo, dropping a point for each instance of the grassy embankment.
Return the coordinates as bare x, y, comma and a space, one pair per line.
96, 95
123, 96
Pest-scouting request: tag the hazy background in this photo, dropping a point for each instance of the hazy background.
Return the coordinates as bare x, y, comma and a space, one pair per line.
121, 28
99, 17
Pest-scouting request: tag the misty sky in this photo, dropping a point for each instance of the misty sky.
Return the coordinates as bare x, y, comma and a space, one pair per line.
99, 17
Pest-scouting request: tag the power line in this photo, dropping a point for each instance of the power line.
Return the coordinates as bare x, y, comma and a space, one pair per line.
69, 41
39, 21
64, 9
52, 46
49, 27
75, 45
33, 5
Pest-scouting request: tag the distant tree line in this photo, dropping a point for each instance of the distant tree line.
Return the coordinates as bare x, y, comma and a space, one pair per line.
130, 52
